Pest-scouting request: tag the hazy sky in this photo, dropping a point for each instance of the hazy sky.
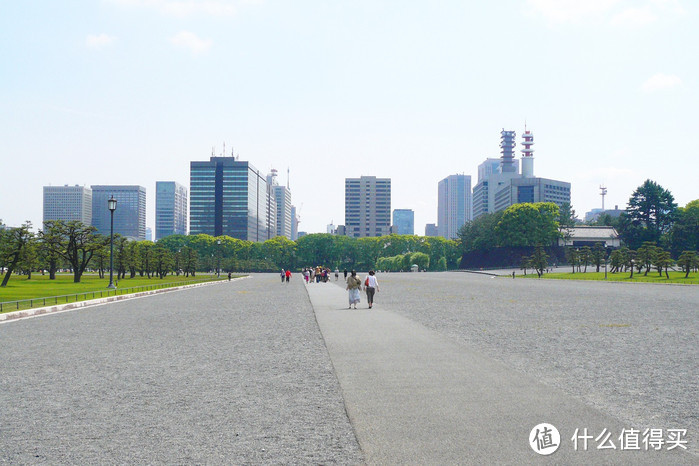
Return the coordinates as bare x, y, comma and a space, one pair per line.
131, 91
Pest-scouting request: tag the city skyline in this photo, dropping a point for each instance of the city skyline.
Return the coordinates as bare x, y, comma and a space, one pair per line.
137, 89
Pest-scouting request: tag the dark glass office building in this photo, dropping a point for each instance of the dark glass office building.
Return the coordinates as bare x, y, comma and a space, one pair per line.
228, 197
130, 214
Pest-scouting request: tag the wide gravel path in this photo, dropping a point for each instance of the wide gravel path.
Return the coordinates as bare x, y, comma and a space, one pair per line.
630, 350
226, 374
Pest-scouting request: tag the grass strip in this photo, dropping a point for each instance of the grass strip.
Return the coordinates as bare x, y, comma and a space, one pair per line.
41, 291
652, 277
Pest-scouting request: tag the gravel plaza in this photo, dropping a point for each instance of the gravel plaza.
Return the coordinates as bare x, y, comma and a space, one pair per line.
448, 368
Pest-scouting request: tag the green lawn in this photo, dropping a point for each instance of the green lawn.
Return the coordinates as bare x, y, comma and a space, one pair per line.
19, 288
675, 277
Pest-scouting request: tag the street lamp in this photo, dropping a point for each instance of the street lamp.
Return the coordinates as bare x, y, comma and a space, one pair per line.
111, 205
218, 258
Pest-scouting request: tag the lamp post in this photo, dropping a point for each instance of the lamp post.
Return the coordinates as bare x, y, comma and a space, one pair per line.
111, 204
218, 258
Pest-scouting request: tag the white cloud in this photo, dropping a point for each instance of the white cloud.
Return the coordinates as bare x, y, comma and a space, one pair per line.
634, 17
183, 8
561, 11
191, 41
98, 42
661, 81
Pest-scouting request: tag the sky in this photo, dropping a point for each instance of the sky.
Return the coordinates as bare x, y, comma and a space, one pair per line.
130, 91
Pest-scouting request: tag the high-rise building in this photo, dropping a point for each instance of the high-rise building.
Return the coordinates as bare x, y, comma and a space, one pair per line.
294, 223
404, 221
453, 204
367, 206
170, 209
130, 214
497, 190
281, 205
431, 230
68, 203
271, 205
282, 196
228, 197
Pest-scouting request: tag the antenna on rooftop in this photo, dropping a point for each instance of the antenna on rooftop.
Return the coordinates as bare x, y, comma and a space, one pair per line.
603, 192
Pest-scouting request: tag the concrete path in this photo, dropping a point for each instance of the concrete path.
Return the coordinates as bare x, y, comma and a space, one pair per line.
415, 396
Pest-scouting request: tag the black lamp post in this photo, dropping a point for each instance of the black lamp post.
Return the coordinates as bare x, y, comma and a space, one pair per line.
218, 258
111, 204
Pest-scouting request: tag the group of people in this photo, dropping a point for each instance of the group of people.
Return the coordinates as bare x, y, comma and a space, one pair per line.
354, 286
285, 275
319, 274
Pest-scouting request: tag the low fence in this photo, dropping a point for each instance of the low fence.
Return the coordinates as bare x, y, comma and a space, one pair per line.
22, 304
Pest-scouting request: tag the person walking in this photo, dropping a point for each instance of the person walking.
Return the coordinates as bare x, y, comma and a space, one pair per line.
283, 275
345, 272
354, 284
337, 274
229, 276
371, 286
288, 275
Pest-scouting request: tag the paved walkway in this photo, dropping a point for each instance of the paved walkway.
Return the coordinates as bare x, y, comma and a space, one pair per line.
416, 397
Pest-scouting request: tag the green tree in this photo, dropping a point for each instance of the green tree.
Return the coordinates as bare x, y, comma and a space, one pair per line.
645, 256
132, 257
573, 257
281, 251
687, 261
48, 256
189, 261
618, 259
145, 250
528, 224
100, 259
585, 256
662, 260
29, 259
566, 220
650, 213
75, 242
479, 234
13, 241
421, 259
539, 260
599, 254
441, 264
684, 235
163, 260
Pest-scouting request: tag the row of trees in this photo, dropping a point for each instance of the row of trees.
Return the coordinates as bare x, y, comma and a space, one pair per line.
650, 257
78, 247
404, 262
526, 224
652, 215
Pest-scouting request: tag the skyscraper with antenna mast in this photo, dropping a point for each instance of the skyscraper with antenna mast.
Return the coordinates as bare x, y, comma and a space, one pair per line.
497, 190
